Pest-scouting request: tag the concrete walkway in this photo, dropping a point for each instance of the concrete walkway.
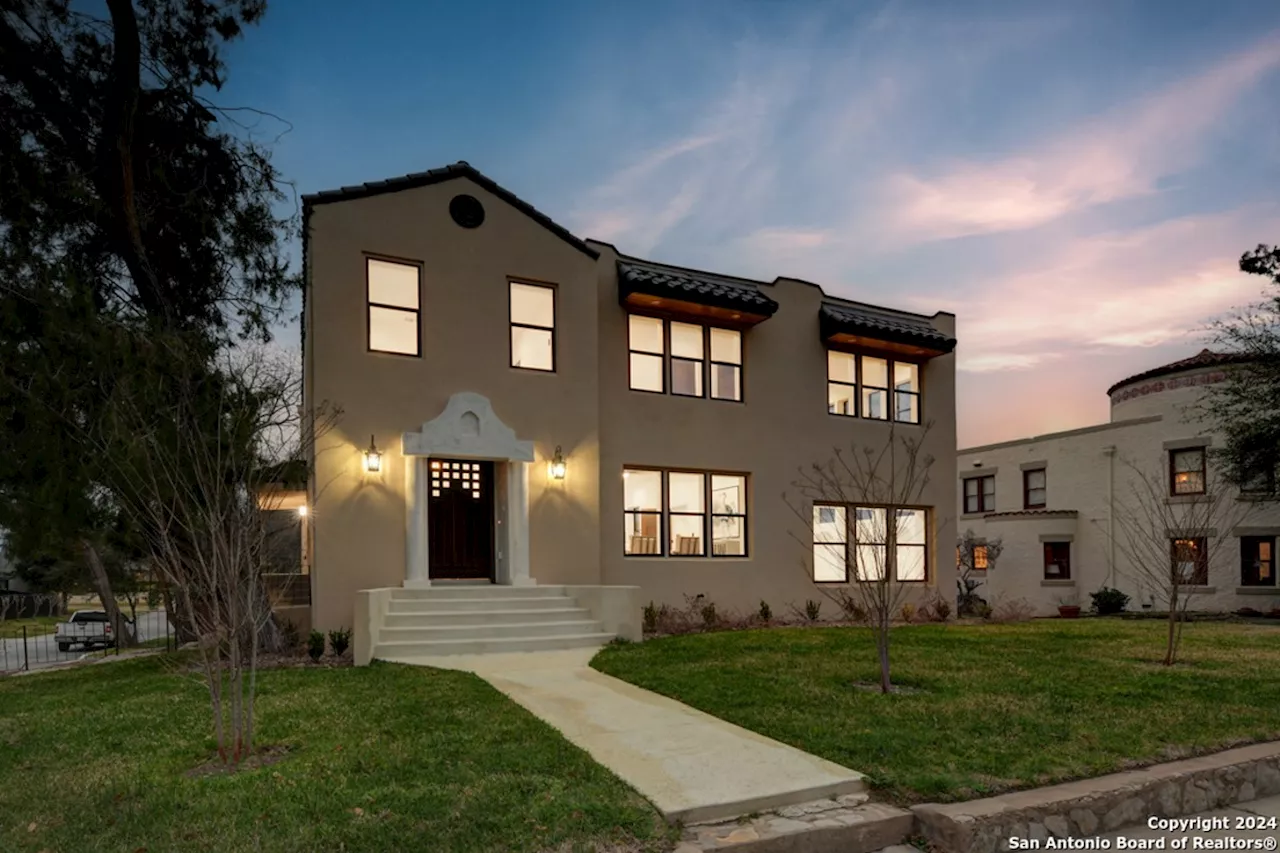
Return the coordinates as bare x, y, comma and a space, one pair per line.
692, 766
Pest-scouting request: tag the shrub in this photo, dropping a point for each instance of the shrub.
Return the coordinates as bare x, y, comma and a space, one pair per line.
853, 609
1010, 610
339, 639
289, 635
908, 612
315, 645
982, 610
941, 609
650, 618
1109, 600
812, 609
1248, 611
709, 616
766, 612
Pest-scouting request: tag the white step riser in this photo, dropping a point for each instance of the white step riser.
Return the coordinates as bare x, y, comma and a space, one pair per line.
394, 651
480, 592
488, 631
432, 619
465, 605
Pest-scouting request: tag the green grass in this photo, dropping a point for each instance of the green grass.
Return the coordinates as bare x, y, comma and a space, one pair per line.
382, 758
36, 626
1000, 706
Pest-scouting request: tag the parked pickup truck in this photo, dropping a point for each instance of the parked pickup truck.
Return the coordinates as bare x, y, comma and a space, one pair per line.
88, 628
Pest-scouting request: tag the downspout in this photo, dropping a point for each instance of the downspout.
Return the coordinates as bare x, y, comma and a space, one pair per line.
1110, 451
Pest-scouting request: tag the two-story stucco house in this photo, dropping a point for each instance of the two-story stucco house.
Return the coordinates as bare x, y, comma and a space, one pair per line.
1058, 502
551, 419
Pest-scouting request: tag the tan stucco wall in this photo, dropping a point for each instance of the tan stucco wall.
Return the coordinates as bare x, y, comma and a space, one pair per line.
1077, 466
586, 407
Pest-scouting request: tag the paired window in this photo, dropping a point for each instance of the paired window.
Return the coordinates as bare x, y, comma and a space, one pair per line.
1190, 560
878, 542
1257, 561
980, 494
394, 292
691, 360
860, 385
1057, 561
532, 309
1034, 492
676, 513
1187, 471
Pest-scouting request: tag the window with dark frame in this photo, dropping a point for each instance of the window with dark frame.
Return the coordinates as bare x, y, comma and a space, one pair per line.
859, 386
842, 383
675, 513
1187, 473
393, 293
660, 347
900, 549
875, 388
980, 494
1189, 558
980, 558
1034, 492
1057, 561
1257, 561
532, 310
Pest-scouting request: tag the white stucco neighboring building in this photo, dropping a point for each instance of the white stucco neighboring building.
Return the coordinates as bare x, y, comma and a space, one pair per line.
1053, 501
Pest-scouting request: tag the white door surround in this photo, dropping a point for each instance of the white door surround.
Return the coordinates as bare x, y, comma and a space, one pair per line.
468, 428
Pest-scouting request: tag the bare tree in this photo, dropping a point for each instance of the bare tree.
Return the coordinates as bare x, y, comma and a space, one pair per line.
865, 529
1171, 540
974, 554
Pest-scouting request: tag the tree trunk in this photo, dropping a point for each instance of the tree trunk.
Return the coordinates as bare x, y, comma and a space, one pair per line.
102, 585
1171, 643
882, 647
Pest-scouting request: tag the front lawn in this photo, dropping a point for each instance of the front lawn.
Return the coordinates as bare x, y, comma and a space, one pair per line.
36, 626
380, 758
999, 706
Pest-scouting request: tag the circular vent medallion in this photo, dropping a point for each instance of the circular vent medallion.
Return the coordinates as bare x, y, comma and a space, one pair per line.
467, 211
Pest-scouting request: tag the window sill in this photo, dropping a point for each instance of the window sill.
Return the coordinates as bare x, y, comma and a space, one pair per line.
1185, 499
1193, 589
969, 516
1059, 583
1257, 590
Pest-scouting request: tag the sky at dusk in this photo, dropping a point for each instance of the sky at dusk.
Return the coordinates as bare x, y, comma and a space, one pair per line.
1075, 181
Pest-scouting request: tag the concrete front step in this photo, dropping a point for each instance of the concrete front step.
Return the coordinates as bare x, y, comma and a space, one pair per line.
431, 618
486, 630
419, 648
846, 824
490, 603
479, 591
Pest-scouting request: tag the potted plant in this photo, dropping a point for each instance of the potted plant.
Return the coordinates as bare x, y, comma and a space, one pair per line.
1068, 608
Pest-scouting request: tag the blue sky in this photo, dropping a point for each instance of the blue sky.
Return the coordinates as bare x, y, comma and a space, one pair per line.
1074, 180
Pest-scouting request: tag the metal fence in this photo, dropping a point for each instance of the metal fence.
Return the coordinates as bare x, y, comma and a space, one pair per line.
31, 644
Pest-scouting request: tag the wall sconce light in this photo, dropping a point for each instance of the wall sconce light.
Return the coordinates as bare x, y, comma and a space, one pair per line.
302, 511
372, 458
556, 467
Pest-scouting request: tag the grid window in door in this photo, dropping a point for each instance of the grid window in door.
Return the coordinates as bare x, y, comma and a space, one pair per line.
533, 326
393, 293
1257, 561
642, 497
462, 476
686, 503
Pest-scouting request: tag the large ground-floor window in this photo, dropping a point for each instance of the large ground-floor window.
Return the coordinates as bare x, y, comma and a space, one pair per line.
680, 513
1190, 560
869, 543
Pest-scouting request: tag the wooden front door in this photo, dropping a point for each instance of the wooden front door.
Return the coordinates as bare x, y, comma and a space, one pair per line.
460, 519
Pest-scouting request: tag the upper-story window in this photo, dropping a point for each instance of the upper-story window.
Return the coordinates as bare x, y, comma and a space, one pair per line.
1034, 491
872, 387
1187, 471
393, 293
690, 359
980, 494
533, 326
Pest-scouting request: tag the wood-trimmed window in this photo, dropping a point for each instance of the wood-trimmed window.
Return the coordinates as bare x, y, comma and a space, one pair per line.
877, 546
980, 494
1034, 488
1189, 560
393, 311
686, 359
1257, 561
859, 386
532, 314
1187, 474
676, 512
1057, 561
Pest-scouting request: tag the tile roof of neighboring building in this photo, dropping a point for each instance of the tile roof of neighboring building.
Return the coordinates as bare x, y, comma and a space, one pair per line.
635, 275
1032, 513
861, 319
1204, 358
461, 169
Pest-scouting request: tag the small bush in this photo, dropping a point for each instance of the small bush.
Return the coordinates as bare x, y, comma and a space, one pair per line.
709, 616
812, 609
339, 639
289, 635
1248, 611
908, 612
315, 645
766, 612
620, 641
651, 618
1109, 600
941, 610
982, 610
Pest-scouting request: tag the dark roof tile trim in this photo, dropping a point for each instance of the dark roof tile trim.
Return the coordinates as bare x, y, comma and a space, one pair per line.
461, 169
703, 288
881, 325
1035, 513
1204, 358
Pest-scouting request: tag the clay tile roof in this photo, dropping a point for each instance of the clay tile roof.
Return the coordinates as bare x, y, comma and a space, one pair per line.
1204, 358
864, 320
1031, 513
704, 288
460, 169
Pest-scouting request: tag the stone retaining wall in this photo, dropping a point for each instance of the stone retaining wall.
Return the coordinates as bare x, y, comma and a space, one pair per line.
1092, 806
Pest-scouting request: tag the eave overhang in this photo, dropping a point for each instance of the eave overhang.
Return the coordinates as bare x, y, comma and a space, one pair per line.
692, 295
856, 327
